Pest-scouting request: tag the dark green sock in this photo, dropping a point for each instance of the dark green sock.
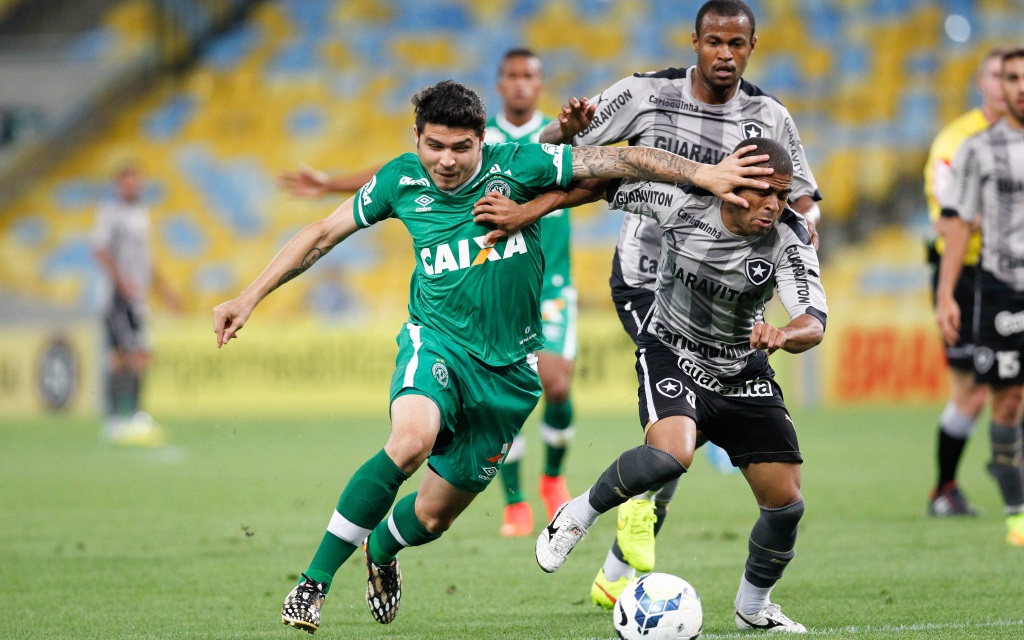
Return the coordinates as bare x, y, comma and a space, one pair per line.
363, 504
510, 478
553, 458
330, 555
384, 545
557, 416
133, 392
120, 393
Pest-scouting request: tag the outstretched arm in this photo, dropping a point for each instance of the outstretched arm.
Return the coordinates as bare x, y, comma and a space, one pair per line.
644, 163
308, 182
301, 253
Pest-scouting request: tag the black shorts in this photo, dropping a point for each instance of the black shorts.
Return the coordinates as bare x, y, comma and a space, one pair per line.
999, 320
126, 328
746, 416
632, 309
961, 355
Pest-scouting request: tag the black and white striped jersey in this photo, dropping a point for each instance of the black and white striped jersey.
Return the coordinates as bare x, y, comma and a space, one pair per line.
712, 284
659, 110
988, 185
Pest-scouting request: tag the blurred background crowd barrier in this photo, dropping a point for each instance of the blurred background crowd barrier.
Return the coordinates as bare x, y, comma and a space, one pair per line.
213, 97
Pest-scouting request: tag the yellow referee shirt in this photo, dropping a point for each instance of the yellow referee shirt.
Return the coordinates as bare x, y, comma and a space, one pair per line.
937, 171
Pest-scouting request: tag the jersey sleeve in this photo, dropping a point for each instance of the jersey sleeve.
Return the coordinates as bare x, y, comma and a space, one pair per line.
798, 279
962, 196
788, 136
937, 174
658, 200
544, 166
616, 117
375, 200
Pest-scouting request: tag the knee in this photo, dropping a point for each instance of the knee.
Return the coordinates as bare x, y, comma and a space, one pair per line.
409, 448
1006, 405
139, 362
785, 516
434, 523
975, 401
664, 467
676, 436
556, 391
678, 450
437, 525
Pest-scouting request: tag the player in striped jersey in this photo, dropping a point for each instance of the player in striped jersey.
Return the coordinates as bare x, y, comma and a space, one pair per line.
987, 185
967, 398
701, 113
702, 364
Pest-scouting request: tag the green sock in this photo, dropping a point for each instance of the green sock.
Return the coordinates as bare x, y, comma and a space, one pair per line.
330, 555
510, 478
558, 418
384, 545
363, 504
553, 460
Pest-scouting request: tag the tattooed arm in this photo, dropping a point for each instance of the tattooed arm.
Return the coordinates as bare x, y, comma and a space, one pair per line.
301, 253
643, 163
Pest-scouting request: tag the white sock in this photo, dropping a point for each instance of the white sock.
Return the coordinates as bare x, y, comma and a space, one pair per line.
751, 599
579, 509
615, 569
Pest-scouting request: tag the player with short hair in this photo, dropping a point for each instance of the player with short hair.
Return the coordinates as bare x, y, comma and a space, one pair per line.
520, 84
701, 113
123, 248
987, 188
966, 397
465, 377
703, 368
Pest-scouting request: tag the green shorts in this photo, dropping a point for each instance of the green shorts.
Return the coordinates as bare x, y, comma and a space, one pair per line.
558, 319
482, 407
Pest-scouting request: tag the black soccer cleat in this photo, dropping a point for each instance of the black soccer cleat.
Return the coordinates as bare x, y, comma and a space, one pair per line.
383, 588
302, 606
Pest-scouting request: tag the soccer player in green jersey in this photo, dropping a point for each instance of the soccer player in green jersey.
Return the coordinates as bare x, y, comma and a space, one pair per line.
465, 377
520, 84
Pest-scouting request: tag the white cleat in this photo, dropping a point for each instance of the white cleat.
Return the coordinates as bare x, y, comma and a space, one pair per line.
558, 539
770, 619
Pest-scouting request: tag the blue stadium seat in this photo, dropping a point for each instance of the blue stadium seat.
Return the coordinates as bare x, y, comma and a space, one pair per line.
308, 120
182, 236
229, 50
296, 57
234, 192
166, 121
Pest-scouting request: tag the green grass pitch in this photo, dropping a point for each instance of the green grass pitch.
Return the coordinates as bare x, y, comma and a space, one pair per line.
204, 538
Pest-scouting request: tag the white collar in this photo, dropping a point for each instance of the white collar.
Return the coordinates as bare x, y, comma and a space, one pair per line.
520, 131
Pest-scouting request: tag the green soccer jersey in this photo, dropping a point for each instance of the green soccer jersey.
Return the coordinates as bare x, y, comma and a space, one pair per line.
554, 227
485, 299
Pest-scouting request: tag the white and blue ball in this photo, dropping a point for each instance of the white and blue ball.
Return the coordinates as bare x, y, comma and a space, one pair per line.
658, 606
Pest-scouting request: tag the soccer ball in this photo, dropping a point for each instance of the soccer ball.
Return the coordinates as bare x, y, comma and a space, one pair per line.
658, 606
